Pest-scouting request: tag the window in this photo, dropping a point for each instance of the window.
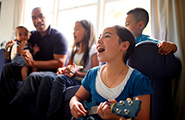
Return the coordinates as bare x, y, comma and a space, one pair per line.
30, 4
68, 14
102, 13
116, 11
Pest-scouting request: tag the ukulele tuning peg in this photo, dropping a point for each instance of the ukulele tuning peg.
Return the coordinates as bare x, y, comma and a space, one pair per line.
126, 111
136, 98
129, 99
118, 110
130, 102
122, 102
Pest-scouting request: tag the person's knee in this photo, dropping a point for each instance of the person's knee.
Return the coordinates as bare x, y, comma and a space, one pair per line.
34, 74
33, 78
39, 76
47, 80
7, 67
61, 79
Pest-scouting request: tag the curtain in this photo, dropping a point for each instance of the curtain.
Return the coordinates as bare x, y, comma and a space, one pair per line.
168, 23
18, 12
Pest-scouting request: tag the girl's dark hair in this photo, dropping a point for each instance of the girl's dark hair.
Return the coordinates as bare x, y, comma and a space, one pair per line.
87, 42
125, 35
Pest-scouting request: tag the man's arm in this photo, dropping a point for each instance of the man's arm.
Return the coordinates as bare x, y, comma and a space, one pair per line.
58, 61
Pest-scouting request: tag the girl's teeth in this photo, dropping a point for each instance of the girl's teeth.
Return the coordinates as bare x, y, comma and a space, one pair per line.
100, 49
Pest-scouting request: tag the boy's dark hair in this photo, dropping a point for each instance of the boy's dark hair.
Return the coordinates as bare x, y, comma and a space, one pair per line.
139, 14
20, 27
88, 41
125, 35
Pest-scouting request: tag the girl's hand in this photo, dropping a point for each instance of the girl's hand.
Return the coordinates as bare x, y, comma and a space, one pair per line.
77, 109
104, 110
60, 70
68, 70
64, 70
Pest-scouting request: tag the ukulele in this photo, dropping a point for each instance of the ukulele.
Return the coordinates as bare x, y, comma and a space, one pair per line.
73, 69
128, 109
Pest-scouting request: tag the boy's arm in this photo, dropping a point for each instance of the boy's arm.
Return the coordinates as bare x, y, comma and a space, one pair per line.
35, 49
21, 47
166, 48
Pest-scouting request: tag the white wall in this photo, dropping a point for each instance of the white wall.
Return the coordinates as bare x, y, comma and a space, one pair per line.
6, 20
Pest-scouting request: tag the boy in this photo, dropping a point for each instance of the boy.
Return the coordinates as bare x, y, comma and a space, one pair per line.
136, 21
22, 36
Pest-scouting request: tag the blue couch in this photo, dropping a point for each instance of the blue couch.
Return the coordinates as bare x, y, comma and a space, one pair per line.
161, 69
3, 59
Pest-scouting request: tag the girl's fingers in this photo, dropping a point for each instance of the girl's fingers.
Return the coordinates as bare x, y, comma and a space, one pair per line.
82, 110
112, 101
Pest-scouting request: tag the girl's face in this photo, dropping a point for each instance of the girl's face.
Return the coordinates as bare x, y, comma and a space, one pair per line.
79, 32
22, 34
108, 45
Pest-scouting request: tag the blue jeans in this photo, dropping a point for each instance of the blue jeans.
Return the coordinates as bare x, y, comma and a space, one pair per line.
43, 97
52, 93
